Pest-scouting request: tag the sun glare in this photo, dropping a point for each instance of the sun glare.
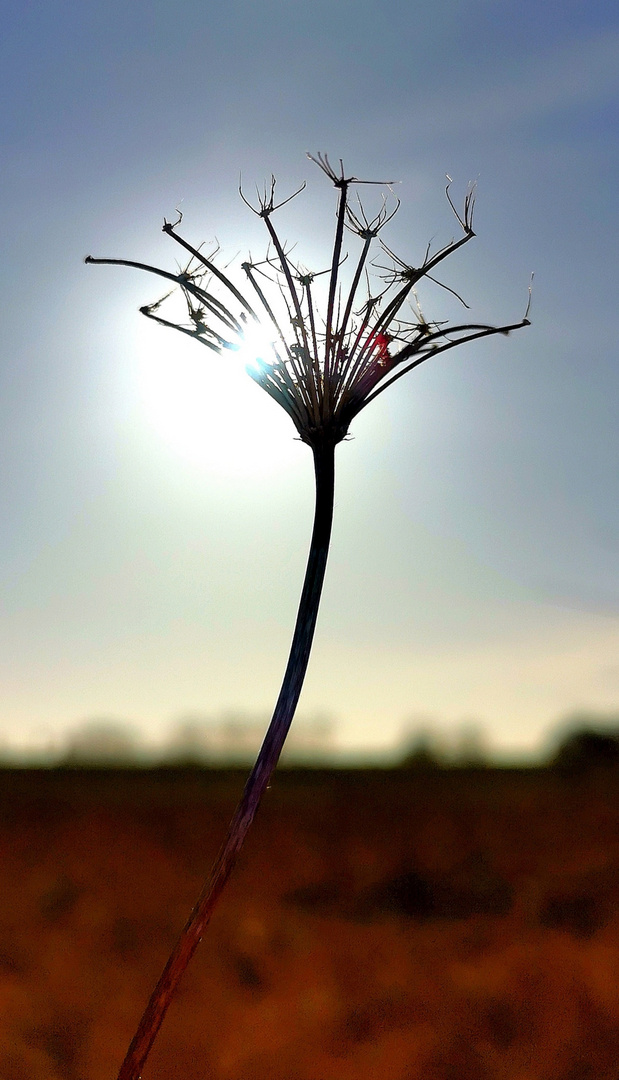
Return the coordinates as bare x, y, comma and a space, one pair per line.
256, 349
209, 409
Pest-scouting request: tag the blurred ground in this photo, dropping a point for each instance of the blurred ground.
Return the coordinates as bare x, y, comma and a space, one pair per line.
404, 925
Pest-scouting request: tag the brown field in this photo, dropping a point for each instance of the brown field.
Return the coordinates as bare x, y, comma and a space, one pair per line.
384, 925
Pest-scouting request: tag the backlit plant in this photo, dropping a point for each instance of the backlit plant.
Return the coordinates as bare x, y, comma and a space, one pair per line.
323, 368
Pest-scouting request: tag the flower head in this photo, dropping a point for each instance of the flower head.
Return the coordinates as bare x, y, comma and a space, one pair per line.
322, 369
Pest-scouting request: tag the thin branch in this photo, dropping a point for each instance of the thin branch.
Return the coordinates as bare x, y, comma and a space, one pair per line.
148, 312
434, 351
181, 279
169, 229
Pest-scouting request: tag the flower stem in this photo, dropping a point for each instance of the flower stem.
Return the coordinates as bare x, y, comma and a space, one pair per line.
324, 467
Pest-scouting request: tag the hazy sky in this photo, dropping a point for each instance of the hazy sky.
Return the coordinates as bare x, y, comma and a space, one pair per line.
156, 512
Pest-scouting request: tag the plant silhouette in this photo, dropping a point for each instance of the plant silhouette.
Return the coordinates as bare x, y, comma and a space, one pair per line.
322, 370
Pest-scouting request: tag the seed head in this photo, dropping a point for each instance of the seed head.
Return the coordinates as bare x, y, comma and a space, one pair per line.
321, 366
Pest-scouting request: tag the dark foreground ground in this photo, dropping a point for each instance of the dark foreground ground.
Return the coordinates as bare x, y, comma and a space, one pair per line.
393, 926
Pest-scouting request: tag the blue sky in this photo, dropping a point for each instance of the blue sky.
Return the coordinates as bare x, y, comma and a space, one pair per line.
146, 572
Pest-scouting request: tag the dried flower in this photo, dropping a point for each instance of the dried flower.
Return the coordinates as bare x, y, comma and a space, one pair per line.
323, 371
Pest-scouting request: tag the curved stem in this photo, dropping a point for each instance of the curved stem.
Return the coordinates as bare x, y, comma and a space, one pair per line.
324, 466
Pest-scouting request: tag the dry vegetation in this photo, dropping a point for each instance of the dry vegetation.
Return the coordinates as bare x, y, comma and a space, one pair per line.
399, 925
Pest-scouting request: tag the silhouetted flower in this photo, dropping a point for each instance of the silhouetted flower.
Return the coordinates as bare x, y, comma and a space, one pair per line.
322, 371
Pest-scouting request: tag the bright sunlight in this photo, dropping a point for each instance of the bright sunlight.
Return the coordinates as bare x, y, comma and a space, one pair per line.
209, 409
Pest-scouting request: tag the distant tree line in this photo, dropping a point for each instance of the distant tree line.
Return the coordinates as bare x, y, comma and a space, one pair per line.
233, 738
581, 742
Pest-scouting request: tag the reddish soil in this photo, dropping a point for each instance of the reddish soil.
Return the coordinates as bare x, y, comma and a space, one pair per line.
393, 926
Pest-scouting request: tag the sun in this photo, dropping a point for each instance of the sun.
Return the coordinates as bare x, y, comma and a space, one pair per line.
209, 410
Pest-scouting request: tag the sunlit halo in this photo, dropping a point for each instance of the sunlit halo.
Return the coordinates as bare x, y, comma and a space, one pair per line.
209, 410
256, 348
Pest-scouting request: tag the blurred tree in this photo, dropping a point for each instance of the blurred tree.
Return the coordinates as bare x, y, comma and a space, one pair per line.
102, 742
589, 741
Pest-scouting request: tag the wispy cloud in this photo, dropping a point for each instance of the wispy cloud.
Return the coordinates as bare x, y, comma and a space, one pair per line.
583, 598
